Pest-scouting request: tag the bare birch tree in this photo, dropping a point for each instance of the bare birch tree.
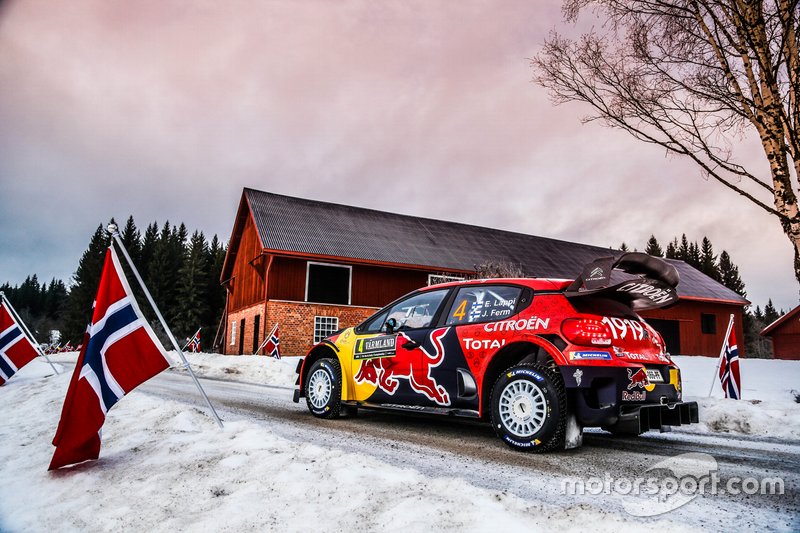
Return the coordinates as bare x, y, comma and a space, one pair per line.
695, 77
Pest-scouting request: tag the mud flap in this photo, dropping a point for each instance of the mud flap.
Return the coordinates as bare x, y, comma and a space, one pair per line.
574, 433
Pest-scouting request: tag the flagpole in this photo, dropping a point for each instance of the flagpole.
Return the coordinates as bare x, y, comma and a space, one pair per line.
192, 338
114, 231
721, 353
25, 330
265, 341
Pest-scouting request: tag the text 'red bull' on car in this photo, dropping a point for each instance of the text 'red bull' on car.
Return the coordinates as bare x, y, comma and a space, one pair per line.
540, 359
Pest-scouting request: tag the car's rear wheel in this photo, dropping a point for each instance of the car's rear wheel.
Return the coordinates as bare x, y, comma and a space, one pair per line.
323, 388
529, 408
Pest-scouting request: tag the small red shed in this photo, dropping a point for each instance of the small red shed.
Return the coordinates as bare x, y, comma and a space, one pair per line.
785, 335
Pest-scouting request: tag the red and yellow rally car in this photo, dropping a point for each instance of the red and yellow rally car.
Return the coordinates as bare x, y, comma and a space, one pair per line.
540, 359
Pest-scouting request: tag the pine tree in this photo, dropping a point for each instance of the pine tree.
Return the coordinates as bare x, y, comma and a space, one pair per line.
55, 299
132, 239
708, 261
84, 288
694, 256
770, 313
653, 248
161, 277
28, 298
672, 249
623, 247
758, 314
756, 346
683, 249
191, 298
729, 274
215, 292
148, 248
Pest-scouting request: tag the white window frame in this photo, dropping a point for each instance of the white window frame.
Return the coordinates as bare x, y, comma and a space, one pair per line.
442, 279
326, 321
349, 280
233, 332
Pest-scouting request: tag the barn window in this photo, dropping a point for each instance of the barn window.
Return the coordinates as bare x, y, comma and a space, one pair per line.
434, 279
325, 326
256, 331
233, 333
328, 284
708, 323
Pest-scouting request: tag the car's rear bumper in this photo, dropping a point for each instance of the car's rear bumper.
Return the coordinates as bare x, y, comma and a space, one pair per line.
619, 398
638, 419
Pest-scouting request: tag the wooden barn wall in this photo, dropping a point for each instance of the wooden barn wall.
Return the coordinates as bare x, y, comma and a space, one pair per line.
248, 270
287, 279
371, 286
786, 346
786, 339
693, 340
376, 286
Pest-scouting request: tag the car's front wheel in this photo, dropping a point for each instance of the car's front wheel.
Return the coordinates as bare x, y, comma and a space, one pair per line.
323, 388
529, 408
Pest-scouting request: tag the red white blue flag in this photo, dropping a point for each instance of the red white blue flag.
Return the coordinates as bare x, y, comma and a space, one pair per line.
273, 345
119, 352
16, 350
729, 368
194, 343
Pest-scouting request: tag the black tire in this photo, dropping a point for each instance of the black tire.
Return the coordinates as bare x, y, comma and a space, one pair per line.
323, 388
521, 392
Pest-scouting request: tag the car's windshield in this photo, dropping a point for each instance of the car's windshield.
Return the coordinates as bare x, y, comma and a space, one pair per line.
412, 313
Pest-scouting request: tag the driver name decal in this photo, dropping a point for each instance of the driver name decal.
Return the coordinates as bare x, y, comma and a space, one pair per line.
384, 346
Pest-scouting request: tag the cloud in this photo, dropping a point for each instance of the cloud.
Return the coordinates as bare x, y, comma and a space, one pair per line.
165, 110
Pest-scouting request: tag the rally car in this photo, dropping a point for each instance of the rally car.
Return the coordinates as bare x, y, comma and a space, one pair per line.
540, 359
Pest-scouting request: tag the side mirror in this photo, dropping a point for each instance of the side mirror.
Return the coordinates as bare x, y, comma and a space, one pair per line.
391, 325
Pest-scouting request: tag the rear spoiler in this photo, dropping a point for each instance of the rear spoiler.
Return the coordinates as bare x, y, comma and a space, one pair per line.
650, 284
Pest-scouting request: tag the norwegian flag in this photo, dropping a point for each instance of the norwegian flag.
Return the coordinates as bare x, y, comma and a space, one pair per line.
729, 368
16, 350
273, 345
194, 342
119, 352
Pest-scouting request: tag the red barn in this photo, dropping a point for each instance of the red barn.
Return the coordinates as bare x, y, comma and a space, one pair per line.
315, 267
785, 335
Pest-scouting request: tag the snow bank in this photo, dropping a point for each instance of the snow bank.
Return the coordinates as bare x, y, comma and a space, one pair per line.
167, 467
251, 368
767, 407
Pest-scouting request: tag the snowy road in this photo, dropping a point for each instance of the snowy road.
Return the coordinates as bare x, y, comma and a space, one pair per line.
443, 447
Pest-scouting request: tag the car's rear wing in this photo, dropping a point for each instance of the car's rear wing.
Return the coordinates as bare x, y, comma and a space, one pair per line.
640, 281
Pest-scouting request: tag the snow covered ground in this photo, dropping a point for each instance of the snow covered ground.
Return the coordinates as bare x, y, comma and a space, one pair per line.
767, 408
165, 466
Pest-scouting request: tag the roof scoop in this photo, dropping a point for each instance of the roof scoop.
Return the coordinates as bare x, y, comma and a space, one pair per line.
636, 279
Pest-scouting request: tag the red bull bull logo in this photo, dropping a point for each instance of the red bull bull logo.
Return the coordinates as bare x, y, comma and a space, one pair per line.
638, 379
407, 364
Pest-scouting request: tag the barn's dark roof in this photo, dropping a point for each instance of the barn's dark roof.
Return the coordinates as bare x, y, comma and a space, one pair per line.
290, 224
785, 319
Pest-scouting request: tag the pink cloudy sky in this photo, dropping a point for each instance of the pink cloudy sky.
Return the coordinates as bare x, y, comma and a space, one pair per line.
166, 109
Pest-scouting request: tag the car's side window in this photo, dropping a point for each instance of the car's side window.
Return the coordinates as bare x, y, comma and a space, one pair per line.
483, 303
415, 312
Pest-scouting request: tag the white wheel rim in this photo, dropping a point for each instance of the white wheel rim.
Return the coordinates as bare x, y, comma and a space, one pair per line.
319, 388
523, 408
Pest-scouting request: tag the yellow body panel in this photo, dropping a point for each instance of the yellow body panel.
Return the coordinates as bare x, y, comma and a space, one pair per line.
351, 390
